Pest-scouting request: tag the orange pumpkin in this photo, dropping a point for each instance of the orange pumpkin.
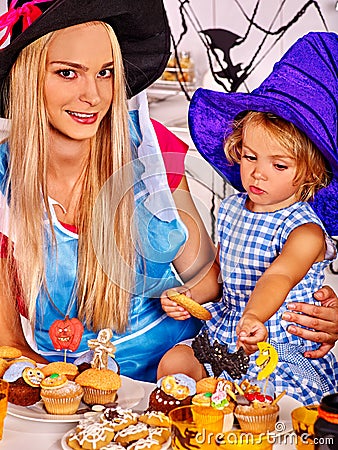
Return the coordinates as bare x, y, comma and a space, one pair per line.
66, 334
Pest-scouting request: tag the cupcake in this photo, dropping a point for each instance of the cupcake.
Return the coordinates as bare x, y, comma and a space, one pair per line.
100, 385
62, 368
24, 380
171, 392
259, 415
60, 395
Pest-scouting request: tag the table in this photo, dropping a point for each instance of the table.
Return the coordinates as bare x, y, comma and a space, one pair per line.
21, 434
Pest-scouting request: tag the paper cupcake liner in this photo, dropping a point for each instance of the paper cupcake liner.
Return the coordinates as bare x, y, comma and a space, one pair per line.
228, 421
208, 417
65, 405
93, 396
260, 423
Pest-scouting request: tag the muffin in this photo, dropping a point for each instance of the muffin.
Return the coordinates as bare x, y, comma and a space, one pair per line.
259, 416
24, 380
171, 392
100, 385
60, 395
62, 368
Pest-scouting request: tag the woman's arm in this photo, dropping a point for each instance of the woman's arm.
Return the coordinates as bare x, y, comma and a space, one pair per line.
322, 321
11, 330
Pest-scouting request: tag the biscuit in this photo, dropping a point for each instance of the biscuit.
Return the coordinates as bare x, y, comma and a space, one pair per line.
159, 434
132, 433
3, 366
155, 419
145, 444
194, 308
8, 352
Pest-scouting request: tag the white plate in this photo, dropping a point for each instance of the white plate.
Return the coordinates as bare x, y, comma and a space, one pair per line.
286, 406
129, 395
65, 446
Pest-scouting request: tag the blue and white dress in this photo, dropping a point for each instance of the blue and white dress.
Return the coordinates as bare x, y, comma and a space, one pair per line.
150, 332
249, 243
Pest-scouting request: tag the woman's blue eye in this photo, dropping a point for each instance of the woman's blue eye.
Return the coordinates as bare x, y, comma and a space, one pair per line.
67, 73
105, 73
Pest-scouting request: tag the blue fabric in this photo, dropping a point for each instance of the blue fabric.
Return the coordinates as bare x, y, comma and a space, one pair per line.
249, 243
150, 332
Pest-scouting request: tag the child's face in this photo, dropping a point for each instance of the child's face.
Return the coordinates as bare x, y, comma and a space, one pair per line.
78, 87
267, 171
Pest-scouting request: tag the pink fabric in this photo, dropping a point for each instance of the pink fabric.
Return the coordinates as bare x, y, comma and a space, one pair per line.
173, 151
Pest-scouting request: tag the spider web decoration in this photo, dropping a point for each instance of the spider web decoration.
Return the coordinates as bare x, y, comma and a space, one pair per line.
235, 364
228, 75
219, 39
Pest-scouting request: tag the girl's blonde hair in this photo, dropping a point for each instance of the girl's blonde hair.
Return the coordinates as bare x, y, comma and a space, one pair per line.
311, 167
101, 301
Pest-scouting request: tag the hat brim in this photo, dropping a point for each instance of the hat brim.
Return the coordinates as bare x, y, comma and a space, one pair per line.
142, 30
210, 118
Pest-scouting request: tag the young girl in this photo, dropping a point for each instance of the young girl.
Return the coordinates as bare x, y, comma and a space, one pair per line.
273, 247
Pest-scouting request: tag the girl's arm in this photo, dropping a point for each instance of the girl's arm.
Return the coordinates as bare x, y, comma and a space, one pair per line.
304, 247
11, 330
196, 262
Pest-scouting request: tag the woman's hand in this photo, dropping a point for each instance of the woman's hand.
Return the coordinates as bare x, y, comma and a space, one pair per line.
323, 320
173, 309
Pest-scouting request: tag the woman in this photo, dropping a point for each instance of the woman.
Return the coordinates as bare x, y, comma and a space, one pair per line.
90, 228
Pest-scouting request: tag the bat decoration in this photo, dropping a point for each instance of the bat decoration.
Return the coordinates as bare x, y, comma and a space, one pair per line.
235, 364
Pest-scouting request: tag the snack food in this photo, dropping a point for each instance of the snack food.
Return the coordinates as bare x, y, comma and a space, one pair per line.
91, 436
131, 434
155, 419
60, 395
236, 364
100, 385
62, 368
194, 308
24, 383
260, 415
8, 352
145, 444
119, 418
172, 391
208, 384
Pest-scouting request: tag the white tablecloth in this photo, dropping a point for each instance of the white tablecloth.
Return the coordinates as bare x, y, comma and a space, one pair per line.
22, 434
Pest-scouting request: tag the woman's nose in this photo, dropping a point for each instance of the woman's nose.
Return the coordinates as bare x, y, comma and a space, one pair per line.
90, 93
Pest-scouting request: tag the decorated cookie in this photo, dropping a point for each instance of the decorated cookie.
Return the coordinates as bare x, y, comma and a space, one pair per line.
54, 381
155, 419
132, 433
194, 308
33, 376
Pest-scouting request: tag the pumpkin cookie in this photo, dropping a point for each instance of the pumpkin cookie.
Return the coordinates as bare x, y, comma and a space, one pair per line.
194, 308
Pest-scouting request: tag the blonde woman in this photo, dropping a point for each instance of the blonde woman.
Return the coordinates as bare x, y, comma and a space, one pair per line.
90, 230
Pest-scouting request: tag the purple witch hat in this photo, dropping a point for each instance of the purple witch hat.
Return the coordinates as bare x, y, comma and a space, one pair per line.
303, 89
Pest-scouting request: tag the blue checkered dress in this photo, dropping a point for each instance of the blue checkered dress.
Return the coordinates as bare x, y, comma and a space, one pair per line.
249, 243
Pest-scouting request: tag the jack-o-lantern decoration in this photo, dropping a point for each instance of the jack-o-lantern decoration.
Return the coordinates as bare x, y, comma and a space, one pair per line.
66, 334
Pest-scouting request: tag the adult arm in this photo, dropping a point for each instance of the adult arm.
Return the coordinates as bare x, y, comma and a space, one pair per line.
11, 329
322, 321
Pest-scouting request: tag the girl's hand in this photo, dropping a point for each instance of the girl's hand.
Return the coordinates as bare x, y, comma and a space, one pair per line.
172, 309
250, 331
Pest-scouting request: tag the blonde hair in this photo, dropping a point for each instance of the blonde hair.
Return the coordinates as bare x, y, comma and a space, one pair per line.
311, 167
100, 299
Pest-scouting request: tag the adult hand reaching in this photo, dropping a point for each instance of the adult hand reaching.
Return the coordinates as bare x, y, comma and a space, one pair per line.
322, 321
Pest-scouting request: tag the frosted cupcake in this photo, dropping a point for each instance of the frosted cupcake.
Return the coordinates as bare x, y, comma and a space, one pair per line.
259, 416
60, 396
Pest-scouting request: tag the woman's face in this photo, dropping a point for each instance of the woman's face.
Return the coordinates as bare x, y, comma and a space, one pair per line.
78, 86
